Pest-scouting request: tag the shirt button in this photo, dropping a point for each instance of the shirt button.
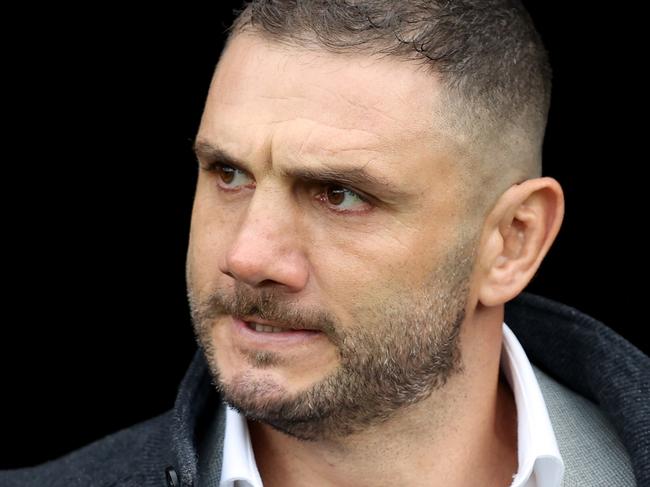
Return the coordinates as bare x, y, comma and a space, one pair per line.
172, 477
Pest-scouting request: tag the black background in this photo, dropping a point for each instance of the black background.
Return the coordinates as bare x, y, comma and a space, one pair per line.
99, 180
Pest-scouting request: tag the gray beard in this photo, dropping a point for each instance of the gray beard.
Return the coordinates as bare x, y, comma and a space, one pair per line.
401, 353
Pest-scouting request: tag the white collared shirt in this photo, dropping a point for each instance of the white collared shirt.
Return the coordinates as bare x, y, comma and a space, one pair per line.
540, 463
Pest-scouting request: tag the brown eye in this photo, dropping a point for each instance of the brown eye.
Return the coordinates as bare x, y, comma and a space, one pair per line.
342, 199
335, 195
231, 178
227, 174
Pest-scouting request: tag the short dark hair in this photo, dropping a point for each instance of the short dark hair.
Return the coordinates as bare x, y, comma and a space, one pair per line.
487, 54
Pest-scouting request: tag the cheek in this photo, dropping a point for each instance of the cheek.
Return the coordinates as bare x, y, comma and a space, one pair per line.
360, 268
207, 239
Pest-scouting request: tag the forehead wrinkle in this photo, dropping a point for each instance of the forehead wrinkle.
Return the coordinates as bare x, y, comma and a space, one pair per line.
358, 104
319, 141
367, 108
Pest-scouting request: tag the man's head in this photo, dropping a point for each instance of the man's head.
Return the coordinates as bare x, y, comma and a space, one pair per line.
366, 191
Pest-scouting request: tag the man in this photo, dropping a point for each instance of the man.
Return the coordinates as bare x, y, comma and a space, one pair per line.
369, 199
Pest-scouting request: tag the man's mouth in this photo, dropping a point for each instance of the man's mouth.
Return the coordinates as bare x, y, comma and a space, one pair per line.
253, 331
267, 328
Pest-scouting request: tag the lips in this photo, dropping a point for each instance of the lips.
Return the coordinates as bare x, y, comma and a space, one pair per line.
269, 329
256, 320
272, 340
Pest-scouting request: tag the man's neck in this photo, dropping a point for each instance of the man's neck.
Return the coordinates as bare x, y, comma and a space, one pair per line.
462, 435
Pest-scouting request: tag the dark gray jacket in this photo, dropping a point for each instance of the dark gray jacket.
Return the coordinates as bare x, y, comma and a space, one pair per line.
595, 383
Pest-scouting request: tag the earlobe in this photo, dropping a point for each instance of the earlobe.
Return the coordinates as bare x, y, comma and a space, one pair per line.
520, 230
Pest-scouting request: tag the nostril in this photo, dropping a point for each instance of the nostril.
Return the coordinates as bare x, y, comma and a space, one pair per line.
269, 282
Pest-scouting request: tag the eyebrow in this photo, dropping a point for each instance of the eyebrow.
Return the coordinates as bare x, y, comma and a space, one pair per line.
212, 153
356, 177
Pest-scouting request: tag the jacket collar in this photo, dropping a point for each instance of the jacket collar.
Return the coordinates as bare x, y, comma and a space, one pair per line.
593, 360
197, 405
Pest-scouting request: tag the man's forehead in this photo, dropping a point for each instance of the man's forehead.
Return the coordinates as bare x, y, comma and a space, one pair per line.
309, 109
372, 91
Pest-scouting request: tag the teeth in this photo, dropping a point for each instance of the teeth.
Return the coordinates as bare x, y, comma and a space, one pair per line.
265, 328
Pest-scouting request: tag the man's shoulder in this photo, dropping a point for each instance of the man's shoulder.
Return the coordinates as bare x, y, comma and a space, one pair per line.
133, 456
594, 365
592, 451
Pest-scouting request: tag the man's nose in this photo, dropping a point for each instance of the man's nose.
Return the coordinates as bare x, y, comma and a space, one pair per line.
266, 249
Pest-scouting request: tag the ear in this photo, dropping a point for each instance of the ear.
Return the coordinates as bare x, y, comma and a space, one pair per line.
517, 235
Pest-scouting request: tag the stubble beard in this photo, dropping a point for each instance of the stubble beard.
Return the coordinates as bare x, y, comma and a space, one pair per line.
398, 353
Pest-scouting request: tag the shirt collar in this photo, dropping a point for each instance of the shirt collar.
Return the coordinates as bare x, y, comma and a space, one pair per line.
540, 463
238, 456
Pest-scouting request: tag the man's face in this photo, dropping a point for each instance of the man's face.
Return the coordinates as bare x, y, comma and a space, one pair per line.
296, 233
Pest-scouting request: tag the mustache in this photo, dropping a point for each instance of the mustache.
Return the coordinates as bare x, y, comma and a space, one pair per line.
268, 304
